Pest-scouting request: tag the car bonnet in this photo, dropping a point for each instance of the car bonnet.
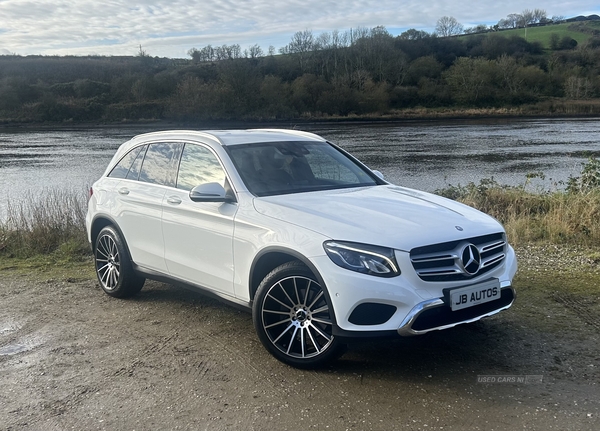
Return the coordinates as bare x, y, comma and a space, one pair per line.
387, 215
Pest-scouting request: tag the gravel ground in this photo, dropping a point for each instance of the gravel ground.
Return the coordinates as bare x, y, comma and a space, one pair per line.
73, 358
565, 259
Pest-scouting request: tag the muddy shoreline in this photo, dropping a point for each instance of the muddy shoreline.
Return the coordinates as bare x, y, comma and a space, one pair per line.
73, 358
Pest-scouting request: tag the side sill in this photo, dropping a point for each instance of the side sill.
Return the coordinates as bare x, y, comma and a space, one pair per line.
164, 278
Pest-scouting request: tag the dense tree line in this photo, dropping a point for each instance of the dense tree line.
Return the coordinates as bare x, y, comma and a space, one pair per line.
364, 72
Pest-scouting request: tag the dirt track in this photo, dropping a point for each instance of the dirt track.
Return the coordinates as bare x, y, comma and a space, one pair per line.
73, 358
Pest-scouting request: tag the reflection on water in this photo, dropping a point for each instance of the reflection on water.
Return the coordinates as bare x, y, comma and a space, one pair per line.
430, 155
422, 155
31, 160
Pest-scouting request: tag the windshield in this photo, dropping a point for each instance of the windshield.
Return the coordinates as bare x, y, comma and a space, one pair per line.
274, 168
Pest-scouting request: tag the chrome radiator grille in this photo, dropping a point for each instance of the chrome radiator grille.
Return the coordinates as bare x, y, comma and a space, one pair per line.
459, 260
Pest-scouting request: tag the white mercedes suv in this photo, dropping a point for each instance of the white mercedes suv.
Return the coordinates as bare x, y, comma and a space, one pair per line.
282, 222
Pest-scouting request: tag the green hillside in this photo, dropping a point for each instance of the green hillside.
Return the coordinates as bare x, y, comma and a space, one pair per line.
580, 31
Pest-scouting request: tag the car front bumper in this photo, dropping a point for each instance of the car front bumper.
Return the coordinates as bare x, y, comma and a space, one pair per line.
366, 305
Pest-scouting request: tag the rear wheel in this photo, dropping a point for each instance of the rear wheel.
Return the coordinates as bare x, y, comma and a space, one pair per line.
113, 265
293, 317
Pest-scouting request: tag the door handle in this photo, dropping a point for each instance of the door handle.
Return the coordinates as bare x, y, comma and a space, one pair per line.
123, 191
173, 200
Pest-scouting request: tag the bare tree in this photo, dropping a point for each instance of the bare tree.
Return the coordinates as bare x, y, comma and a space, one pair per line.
255, 51
339, 40
577, 87
511, 21
207, 53
142, 52
480, 28
227, 52
539, 15
508, 69
221, 53
414, 34
323, 41
448, 26
527, 18
358, 33
470, 78
330, 55
235, 51
302, 44
503, 23
195, 54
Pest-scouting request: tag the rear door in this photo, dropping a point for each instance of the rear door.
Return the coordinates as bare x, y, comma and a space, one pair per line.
139, 202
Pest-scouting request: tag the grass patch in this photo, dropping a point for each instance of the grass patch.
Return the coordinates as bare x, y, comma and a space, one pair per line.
581, 32
556, 106
49, 267
44, 236
557, 217
52, 222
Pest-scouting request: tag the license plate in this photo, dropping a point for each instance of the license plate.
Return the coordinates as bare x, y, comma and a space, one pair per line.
469, 296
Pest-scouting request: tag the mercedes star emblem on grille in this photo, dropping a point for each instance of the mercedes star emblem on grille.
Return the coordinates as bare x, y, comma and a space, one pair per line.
470, 259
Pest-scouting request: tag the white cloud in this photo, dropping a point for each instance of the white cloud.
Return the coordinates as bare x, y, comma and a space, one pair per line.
171, 27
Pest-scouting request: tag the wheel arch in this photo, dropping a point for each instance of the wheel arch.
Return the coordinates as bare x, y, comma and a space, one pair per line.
270, 258
99, 223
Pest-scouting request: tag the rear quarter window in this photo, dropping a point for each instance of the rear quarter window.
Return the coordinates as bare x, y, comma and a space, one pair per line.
134, 170
121, 169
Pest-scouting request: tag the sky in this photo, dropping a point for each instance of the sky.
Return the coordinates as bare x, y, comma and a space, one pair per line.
170, 28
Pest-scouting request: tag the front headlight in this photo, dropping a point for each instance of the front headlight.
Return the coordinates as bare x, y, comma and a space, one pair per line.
363, 258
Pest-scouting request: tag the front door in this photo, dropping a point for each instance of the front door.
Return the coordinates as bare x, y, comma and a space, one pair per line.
199, 235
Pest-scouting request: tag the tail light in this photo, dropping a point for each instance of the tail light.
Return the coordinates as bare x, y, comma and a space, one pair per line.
90, 193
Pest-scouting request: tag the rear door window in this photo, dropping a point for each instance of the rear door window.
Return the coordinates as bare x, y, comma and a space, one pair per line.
160, 164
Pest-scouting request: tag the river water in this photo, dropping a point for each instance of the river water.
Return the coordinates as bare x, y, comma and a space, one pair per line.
421, 155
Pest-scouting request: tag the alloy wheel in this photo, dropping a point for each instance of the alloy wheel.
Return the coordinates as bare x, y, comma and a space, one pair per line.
108, 262
296, 318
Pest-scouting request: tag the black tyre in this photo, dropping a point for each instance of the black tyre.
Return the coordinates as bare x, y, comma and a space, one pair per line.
294, 318
113, 265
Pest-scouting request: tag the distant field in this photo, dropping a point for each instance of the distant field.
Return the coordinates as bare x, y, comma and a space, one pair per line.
542, 34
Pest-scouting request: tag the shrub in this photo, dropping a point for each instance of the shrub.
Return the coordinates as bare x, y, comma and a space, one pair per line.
589, 181
564, 217
49, 222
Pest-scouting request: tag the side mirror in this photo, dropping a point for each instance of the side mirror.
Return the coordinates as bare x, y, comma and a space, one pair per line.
379, 174
209, 192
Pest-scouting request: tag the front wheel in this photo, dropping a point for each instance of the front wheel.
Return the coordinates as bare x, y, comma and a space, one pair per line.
293, 317
113, 265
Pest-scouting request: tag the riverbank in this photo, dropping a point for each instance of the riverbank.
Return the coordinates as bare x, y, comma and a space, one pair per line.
550, 108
